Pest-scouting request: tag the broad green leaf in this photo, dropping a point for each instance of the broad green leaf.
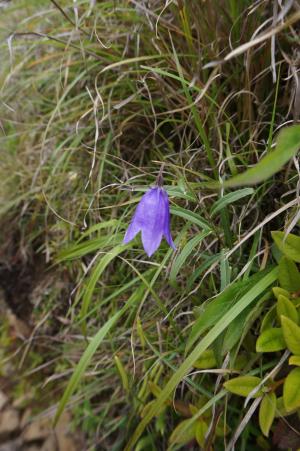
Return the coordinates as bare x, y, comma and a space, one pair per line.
280, 409
291, 390
206, 360
268, 319
271, 340
288, 143
291, 333
294, 360
90, 351
289, 276
185, 253
201, 428
289, 245
243, 385
213, 310
221, 325
198, 414
267, 411
180, 438
277, 291
229, 199
190, 216
286, 308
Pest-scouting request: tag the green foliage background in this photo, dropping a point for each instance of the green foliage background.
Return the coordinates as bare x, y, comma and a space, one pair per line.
95, 96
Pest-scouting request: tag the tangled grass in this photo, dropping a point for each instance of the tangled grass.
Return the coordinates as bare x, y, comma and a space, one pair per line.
94, 97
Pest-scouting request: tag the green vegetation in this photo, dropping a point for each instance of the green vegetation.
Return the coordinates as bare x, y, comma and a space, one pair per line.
199, 347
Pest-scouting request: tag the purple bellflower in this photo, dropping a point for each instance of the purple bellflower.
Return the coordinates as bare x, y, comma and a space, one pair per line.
152, 219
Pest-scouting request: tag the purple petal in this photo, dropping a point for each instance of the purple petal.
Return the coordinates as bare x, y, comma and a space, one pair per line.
151, 241
153, 217
133, 229
137, 222
167, 232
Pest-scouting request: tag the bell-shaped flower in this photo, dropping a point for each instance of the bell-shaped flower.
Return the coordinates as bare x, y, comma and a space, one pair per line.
152, 219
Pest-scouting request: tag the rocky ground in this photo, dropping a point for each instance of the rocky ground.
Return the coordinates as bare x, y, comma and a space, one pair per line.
26, 427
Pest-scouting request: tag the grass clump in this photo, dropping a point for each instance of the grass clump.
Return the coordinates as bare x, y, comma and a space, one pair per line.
95, 97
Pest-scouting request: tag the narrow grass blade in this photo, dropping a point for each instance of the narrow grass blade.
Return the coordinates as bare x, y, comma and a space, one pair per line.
194, 218
288, 143
90, 351
96, 274
229, 198
80, 249
184, 254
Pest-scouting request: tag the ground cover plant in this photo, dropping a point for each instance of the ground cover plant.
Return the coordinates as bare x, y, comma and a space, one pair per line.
193, 103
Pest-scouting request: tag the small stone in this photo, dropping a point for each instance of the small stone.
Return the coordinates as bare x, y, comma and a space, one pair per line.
66, 440
25, 419
9, 423
12, 445
37, 430
31, 448
50, 444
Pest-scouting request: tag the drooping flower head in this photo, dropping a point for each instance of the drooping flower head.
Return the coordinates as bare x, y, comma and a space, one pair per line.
152, 219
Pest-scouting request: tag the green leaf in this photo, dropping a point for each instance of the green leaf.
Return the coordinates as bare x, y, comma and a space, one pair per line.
291, 333
90, 351
234, 331
185, 253
80, 249
288, 143
200, 431
229, 198
289, 245
277, 291
221, 325
243, 385
291, 390
213, 310
286, 308
294, 360
190, 216
289, 276
122, 372
206, 360
267, 411
268, 320
181, 438
271, 340
280, 409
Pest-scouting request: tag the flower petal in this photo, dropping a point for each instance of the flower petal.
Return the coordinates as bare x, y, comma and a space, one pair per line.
133, 229
167, 232
138, 220
153, 220
151, 241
